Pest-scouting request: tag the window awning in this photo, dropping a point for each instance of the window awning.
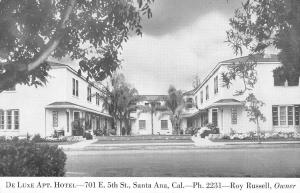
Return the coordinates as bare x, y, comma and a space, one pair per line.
226, 102
68, 105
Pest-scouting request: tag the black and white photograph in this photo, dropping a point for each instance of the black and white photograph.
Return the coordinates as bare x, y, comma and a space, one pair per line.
150, 88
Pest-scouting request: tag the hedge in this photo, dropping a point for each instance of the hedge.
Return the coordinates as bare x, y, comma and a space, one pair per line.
25, 158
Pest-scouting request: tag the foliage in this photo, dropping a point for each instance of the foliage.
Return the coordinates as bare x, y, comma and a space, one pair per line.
260, 24
174, 107
120, 99
252, 107
23, 158
78, 127
89, 31
196, 81
281, 76
153, 108
243, 70
36, 138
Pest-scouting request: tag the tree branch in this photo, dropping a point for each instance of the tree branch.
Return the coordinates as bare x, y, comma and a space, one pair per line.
51, 45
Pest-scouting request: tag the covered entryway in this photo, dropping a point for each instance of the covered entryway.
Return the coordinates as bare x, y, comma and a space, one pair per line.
70, 119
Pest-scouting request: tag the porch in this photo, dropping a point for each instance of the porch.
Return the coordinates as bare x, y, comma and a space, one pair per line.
69, 119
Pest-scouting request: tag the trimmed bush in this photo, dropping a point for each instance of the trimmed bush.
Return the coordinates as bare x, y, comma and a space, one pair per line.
24, 158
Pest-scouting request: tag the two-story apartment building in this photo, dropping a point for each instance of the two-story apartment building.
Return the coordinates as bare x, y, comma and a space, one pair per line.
220, 106
67, 97
150, 120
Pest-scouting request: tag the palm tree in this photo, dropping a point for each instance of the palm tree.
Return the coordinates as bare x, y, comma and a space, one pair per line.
174, 107
153, 108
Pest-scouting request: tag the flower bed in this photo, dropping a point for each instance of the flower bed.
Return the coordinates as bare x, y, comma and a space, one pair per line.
252, 136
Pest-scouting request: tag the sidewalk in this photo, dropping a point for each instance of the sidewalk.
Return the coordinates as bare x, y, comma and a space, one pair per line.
201, 144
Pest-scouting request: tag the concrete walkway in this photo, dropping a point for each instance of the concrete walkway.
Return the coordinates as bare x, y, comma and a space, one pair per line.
195, 144
79, 145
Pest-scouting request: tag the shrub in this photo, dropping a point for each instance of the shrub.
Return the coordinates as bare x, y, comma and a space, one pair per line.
37, 138
24, 158
88, 136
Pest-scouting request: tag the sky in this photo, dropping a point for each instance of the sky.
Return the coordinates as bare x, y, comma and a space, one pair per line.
182, 39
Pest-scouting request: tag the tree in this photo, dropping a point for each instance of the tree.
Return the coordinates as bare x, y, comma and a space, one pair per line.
174, 107
260, 24
120, 99
252, 105
196, 81
90, 31
245, 71
153, 108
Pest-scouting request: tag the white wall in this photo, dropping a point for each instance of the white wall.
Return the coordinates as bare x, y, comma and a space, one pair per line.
264, 90
32, 101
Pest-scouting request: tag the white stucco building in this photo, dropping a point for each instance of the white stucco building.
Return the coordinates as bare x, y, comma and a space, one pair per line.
67, 97
219, 105
147, 122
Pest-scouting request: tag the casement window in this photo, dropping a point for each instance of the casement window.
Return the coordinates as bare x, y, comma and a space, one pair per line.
9, 119
290, 115
207, 93
282, 114
89, 94
216, 89
1, 119
164, 124
54, 118
201, 97
215, 117
97, 98
285, 115
275, 115
142, 124
75, 87
16, 119
234, 116
297, 115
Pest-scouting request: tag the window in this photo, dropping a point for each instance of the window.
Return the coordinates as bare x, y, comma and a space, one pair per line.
207, 93
297, 109
9, 119
147, 104
201, 97
275, 115
216, 85
54, 118
215, 117
16, 119
234, 116
1, 119
196, 101
75, 87
282, 115
290, 115
89, 94
76, 116
164, 124
97, 98
142, 124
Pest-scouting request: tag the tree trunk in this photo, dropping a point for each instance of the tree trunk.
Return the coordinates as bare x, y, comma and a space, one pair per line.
152, 123
258, 130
